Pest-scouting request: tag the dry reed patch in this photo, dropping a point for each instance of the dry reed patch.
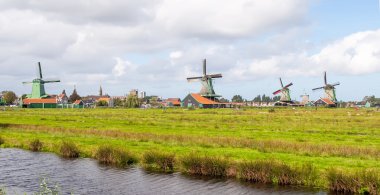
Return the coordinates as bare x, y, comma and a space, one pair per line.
366, 181
163, 161
68, 149
114, 156
205, 165
35, 145
271, 171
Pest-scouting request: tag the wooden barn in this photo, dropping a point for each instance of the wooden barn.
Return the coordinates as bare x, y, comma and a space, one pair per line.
39, 103
173, 102
326, 102
197, 101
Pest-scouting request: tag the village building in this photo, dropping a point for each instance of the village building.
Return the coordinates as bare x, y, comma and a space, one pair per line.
172, 102
78, 104
62, 99
39, 103
326, 102
197, 101
142, 94
134, 92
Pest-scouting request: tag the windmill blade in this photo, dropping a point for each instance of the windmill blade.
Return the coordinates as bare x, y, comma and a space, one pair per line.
194, 79
27, 83
39, 70
51, 81
214, 76
204, 67
335, 84
190, 78
318, 88
277, 92
288, 85
325, 78
282, 85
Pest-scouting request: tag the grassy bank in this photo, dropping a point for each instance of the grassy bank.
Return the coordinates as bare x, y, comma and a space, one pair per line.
323, 148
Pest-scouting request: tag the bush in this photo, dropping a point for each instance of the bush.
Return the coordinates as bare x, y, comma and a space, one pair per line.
2, 141
361, 181
162, 161
205, 165
114, 156
35, 145
69, 150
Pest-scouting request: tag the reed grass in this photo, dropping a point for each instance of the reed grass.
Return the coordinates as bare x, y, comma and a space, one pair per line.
35, 145
205, 165
365, 181
161, 161
2, 141
68, 149
110, 155
275, 172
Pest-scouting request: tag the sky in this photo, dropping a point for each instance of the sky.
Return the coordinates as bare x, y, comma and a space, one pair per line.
154, 45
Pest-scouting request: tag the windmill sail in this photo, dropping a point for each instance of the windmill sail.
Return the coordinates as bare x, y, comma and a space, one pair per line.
206, 81
38, 87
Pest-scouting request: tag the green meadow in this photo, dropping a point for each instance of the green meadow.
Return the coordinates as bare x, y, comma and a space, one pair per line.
340, 145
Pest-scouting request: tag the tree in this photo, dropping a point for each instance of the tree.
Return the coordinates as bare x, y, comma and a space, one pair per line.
222, 100
9, 97
153, 101
237, 98
74, 96
257, 99
118, 102
132, 101
276, 98
102, 103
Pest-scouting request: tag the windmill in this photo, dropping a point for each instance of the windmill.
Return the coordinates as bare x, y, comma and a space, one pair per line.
38, 85
206, 80
329, 89
285, 92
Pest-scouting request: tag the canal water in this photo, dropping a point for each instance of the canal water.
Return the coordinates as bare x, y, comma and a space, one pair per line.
21, 172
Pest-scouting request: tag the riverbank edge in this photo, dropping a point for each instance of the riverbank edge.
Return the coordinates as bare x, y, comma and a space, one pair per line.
272, 171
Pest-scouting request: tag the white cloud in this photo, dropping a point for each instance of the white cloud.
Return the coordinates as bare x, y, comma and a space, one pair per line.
358, 53
355, 54
175, 54
215, 18
119, 69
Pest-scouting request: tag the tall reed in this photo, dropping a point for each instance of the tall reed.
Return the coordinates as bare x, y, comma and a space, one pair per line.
68, 149
35, 145
159, 160
365, 181
271, 171
109, 155
205, 165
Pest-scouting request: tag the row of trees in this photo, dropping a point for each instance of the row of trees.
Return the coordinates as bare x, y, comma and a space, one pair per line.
131, 101
259, 98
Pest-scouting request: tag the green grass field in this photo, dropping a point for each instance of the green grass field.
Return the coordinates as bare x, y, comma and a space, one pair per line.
341, 139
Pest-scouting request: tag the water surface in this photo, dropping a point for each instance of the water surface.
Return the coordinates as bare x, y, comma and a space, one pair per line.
21, 172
